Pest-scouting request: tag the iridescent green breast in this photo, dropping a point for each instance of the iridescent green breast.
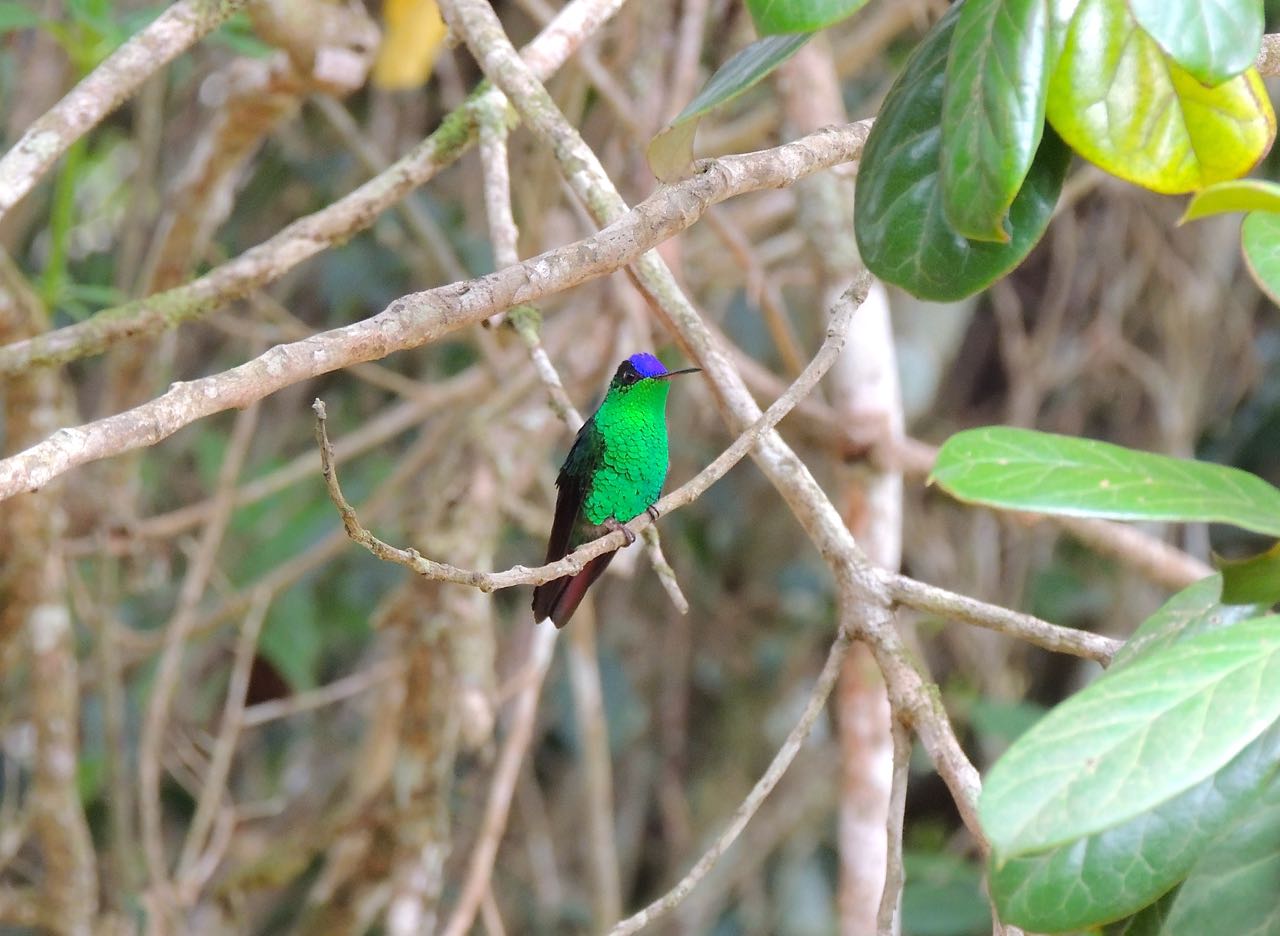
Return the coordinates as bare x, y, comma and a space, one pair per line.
632, 466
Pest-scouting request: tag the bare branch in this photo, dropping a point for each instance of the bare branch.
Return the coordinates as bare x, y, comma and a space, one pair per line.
427, 316
888, 918
1026, 627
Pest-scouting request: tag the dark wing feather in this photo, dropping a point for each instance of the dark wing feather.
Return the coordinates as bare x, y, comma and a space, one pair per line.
559, 599
572, 484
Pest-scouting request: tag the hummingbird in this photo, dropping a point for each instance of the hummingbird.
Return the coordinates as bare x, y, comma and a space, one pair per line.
612, 474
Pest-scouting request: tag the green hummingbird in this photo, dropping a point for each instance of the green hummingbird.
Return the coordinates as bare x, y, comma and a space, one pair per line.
612, 474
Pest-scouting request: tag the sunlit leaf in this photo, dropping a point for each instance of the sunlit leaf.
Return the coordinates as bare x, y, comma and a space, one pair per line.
1197, 609
901, 229
1255, 579
1234, 195
1211, 39
794, 16
1260, 240
992, 111
671, 151
1120, 102
1020, 469
1131, 742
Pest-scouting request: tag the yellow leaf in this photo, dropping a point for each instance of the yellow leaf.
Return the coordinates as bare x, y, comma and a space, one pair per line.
413, 36
1122, 103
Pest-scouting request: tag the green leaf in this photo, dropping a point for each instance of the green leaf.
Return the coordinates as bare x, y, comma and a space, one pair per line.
671, 151
1235, 195
794, 16
1233, 887
1121, 870
1197, 609
1255, 579
1212, 39
1132, 741
1121, 103
1020, 469
901, 229
992, 111
1260, 241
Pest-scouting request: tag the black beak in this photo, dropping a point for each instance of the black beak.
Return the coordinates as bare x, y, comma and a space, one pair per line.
677, 373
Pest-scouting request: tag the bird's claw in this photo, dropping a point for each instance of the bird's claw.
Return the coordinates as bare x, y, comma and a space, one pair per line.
616, 527
653, 513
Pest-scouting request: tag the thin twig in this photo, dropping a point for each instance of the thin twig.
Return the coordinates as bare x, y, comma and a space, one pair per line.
764, 786
337, 691
1026, 627
888, 920
662, 568
498, 805
215, 780
600, 850
169, 670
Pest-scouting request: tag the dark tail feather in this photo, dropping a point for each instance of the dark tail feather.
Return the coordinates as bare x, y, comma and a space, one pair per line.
559, 598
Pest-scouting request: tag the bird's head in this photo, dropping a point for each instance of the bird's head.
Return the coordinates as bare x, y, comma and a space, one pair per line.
643, 370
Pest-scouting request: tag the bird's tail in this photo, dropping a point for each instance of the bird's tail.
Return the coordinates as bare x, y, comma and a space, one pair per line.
559, 598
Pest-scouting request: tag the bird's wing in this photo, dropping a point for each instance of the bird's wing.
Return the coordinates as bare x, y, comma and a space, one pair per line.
573, 482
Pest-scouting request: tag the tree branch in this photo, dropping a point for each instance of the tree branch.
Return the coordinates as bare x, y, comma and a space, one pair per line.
419, 318
309, 235
105, 89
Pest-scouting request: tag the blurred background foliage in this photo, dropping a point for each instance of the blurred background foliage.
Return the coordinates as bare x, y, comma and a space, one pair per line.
1119, 326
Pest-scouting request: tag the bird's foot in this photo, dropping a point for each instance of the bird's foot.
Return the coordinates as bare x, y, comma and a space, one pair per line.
653, 513
613, 526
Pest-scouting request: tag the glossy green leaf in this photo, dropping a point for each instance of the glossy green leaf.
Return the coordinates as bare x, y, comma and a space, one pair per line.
1235, 886
1119, 101
793, 16
992, 111
1212, 39
1119, 871
901, 229
1131, 742
1197, 609
1260, 241
1254, 579
1020, 469
671, 151
1236, 195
